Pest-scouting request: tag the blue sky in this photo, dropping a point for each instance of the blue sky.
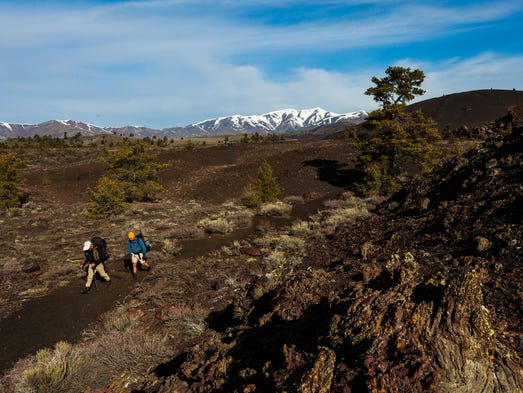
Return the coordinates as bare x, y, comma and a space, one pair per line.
163, 63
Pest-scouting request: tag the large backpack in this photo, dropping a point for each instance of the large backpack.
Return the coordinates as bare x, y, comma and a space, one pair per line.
102, 248
147, 242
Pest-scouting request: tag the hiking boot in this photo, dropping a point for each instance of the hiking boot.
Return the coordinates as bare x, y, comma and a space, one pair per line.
86, 290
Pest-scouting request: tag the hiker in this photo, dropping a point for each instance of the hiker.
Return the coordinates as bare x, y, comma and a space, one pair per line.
137, 249
93, 264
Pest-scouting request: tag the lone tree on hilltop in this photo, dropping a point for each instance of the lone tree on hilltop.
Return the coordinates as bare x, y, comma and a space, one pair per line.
400, 86
398, 142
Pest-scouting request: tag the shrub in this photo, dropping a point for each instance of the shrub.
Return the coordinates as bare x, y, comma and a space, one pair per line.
215, 225
189, 145
136, 170
10, 195
107, 198
115, 352
250, 198
277, 208
171, 246
51, 368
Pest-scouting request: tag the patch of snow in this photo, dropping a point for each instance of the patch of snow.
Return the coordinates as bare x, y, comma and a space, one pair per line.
6, 125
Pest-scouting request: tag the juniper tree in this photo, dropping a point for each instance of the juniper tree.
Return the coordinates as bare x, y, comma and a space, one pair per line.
136, 169
398, 141
265, 187
107, 198
132, 175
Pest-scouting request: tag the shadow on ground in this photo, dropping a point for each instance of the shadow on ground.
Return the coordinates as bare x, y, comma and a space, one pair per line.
334, 173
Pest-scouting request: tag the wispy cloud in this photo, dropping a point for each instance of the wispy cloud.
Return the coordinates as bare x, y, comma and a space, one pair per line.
165, 62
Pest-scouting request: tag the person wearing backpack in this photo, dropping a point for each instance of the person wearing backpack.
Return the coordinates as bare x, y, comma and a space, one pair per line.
137, 249
94, 264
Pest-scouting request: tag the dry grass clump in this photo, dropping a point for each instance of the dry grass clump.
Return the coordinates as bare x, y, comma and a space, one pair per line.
294, 199
48, 370
341, 211
183, 231
135, 351
188, 321
226, 221
281, 242
10, 265
171, 246
304, 228
277, 208
216, 225
119, 319
34, 292
276, 262
282, 253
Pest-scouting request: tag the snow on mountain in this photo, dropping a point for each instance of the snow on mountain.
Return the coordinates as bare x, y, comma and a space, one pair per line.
276, 122
54, 128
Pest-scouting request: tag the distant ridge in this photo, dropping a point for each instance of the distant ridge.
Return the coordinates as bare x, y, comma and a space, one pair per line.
471, 108
276, 122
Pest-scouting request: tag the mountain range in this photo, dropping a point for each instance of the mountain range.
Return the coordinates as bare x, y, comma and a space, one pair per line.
276, 122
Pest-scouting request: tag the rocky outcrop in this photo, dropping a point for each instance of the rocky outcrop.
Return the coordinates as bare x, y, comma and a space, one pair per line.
423, 296
513, 119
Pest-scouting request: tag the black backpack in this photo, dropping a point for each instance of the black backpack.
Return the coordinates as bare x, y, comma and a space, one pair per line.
148, 243
102, 248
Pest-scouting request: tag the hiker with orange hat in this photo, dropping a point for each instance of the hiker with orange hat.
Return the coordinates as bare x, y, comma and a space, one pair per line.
136, 247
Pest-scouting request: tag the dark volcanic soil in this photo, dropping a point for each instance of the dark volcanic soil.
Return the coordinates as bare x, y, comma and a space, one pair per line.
311, 170
423, 296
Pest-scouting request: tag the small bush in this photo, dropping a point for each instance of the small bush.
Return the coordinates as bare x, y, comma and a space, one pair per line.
275, 209
264, 189
106, 199
250, 198
115, 352
10, 195
171, 246
215, 225
282, 242
302, 228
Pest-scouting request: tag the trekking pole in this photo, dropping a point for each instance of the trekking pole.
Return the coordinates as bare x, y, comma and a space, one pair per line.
95, 282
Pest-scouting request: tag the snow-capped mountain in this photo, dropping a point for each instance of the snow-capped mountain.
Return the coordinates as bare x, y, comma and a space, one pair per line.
54, 128
276, 122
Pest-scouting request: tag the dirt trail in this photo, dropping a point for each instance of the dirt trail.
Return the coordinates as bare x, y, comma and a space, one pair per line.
60, 316
65, 313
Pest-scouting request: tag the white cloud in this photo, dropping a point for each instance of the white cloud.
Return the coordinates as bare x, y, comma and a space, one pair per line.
158, 63
485, 71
